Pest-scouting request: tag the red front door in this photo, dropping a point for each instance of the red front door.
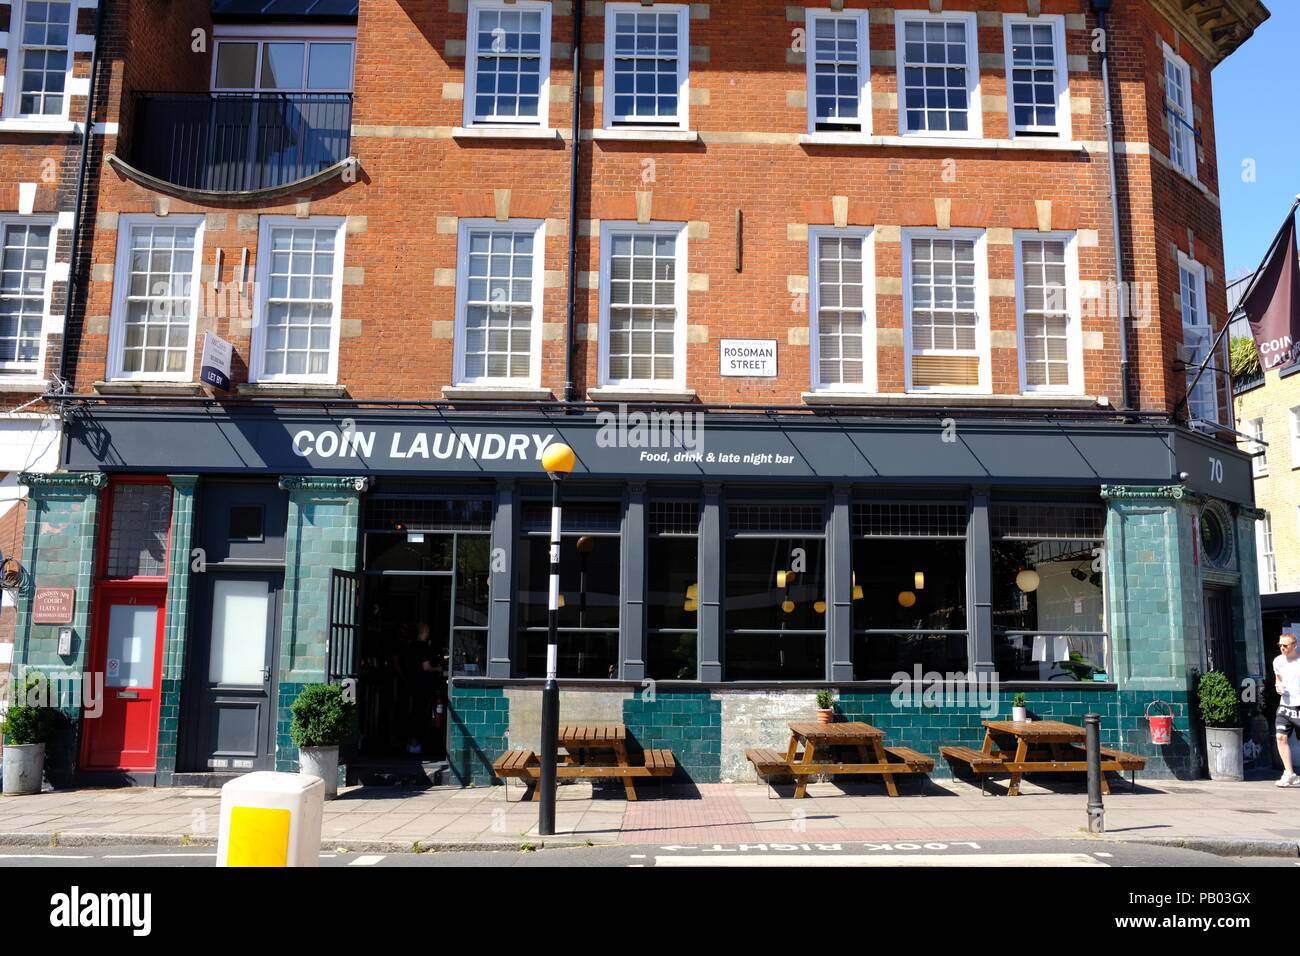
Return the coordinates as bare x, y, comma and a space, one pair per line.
119, 727
127, 649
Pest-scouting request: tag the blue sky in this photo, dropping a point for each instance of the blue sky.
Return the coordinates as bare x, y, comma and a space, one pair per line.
1257, 117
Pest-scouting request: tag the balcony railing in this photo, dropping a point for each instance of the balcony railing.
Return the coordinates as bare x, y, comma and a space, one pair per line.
239, 142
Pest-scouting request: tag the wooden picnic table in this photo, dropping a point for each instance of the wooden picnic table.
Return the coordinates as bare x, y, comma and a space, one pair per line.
1018, 747
819, 741
582, 744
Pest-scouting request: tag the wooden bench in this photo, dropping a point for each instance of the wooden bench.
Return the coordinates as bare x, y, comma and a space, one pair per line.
980, 763
525, 765
873, 758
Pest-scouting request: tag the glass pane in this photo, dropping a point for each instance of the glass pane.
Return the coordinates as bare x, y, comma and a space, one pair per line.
672, 657
239, 616
472, 553
329, 66
132, 642
1061, 593
882, 656
138, 531
590, 581
909, 584
282, 66
236, 65
672, 597
776, 584
408, 551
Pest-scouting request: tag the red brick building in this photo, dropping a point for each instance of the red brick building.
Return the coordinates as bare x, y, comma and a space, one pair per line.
872, 247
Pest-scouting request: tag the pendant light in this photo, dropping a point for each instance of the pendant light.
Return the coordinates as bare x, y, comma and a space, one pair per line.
819, 607
1028, 580
787, 605
857, 588
919, 580
906, 598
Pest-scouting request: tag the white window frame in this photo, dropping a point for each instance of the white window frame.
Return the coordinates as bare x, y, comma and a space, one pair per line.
1073, 303
683, 12
476, 7
677, 230
127, 223
1197, 272
13, 73
256, 371
15, 371
1295, 437
1267, 556
260, 35
1062, 129
1186, 137
869, 372
862, 18
982, 333
538, 228
974, 105
1258, 450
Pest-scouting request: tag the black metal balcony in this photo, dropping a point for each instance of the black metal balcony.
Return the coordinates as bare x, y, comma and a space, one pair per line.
239, 142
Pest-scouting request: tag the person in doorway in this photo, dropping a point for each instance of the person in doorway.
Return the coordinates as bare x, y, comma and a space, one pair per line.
425, 675
1286, 674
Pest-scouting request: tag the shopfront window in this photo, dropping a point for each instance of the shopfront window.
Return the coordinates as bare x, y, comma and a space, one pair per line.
139, 527
672, 590
776, 592
590, 588
1048, 592
909, 589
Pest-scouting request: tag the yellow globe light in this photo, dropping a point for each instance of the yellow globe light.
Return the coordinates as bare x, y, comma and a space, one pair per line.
906, 598
787, 605
1028, 580
585, 543
558, 459
819, 607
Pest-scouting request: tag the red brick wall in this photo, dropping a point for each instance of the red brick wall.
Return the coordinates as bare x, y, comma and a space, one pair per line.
410, 181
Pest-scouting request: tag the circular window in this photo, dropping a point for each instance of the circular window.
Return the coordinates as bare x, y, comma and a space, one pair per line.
1216, 543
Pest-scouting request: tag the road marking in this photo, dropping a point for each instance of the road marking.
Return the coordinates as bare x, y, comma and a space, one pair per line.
369, 860
40, 856
924, 859
151, 856
638, 856
1106, 855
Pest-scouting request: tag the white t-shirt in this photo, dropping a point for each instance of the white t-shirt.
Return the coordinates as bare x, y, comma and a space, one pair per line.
1288, 672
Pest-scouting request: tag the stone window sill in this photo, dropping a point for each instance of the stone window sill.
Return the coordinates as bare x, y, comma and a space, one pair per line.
148, 388
941, 142
504, 132
496, 393
24, 385
289, 390
615, 393
646, 135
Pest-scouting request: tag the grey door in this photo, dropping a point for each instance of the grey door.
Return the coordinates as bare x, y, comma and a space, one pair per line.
232, 674
237, 667
1220, 650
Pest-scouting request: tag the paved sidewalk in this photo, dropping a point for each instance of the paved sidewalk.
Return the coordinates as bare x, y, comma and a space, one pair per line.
949, 811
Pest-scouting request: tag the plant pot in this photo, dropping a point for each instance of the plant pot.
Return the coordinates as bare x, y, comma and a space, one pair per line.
24, 765
826, 716
1223, 753
1019, 713
321, 762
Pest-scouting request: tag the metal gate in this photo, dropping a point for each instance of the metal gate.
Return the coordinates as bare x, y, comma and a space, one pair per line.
344, 625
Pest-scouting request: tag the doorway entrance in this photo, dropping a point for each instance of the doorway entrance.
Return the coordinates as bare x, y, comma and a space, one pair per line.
1220, 648
126, 638
425, 611
232, 671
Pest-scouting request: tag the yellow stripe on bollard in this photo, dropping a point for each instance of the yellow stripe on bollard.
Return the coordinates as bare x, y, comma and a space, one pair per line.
259, 836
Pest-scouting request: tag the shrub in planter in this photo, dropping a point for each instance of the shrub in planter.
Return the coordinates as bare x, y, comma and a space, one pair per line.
825, 706
322, 719
1221, 717
26, 728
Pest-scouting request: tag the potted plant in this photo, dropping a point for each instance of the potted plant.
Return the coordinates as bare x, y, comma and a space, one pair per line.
1019, 711
26, 728
1221, 715
322, 719
825, 707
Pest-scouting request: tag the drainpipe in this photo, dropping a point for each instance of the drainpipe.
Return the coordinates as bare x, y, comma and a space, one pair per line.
87, 131
1100, 8
570, 341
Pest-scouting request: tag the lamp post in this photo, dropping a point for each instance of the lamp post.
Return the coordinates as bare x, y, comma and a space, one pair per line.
557, 460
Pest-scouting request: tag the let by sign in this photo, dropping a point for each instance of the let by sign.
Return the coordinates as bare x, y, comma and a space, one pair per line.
53, 605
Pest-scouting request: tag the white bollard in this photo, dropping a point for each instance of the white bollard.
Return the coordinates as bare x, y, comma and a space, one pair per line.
271, 819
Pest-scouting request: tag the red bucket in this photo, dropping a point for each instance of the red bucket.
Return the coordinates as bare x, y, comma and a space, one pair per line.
1162, 726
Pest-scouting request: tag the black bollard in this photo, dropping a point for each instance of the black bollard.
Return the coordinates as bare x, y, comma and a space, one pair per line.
1096, 811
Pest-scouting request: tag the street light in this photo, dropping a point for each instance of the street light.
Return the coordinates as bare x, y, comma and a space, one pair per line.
557, 460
